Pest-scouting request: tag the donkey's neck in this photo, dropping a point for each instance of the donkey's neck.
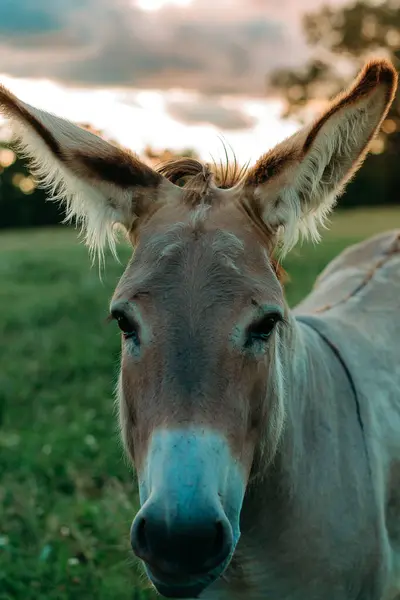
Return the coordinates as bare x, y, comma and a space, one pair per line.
290, 511
315, 390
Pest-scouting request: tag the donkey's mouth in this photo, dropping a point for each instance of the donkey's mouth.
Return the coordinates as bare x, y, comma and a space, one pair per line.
181, 586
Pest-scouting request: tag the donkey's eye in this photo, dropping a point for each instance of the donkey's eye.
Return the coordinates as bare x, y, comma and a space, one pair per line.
262, 329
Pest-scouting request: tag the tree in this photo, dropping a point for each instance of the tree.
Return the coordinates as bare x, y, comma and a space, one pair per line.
342, 39
22, 204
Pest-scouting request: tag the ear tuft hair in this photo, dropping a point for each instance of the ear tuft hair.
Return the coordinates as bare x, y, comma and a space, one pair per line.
101, 186
296, 184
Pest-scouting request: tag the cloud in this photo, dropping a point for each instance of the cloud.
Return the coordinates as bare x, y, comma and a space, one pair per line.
224, 47
209, 110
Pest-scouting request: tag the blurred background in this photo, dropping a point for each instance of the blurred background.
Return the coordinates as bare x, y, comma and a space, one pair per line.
164, 78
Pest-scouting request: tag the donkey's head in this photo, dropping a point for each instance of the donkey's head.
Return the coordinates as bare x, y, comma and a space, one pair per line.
201, 310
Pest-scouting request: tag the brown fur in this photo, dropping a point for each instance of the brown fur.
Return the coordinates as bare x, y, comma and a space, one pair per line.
224, 176
122, 169
198, 180
373, 74
270, 165
274, 162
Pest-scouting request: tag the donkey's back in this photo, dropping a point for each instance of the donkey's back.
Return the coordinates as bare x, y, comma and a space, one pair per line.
365, 277
355, 306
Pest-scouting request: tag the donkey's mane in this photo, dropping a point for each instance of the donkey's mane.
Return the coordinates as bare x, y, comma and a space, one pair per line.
186, 171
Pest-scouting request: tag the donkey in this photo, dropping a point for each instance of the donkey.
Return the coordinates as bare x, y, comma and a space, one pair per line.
266, 441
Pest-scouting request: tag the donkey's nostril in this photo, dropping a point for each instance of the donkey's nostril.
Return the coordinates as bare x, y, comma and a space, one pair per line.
219, 536
222, 545
138, 538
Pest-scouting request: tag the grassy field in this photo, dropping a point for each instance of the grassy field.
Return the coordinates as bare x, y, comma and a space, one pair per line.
67, 496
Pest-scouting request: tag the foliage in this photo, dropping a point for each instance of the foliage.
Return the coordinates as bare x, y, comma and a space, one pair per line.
342, 38
21, 203
67, 497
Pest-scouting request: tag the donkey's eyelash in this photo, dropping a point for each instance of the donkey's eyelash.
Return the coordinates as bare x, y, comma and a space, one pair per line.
283, 320
276, 316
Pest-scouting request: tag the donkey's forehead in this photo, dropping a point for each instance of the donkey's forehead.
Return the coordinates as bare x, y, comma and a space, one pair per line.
221, 225
181, 250
198, 251
187, 237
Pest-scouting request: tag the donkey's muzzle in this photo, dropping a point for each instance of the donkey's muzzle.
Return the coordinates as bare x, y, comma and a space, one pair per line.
191, 493
181, 545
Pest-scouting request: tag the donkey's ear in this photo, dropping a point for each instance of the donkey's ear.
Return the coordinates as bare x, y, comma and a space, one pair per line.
101, 185
294, 186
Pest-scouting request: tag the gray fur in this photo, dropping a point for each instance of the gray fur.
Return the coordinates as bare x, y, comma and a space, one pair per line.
324, 521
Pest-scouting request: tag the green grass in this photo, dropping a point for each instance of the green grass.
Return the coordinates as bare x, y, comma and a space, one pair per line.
67, 496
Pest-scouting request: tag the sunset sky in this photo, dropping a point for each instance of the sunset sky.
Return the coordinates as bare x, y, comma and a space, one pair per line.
173, 73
